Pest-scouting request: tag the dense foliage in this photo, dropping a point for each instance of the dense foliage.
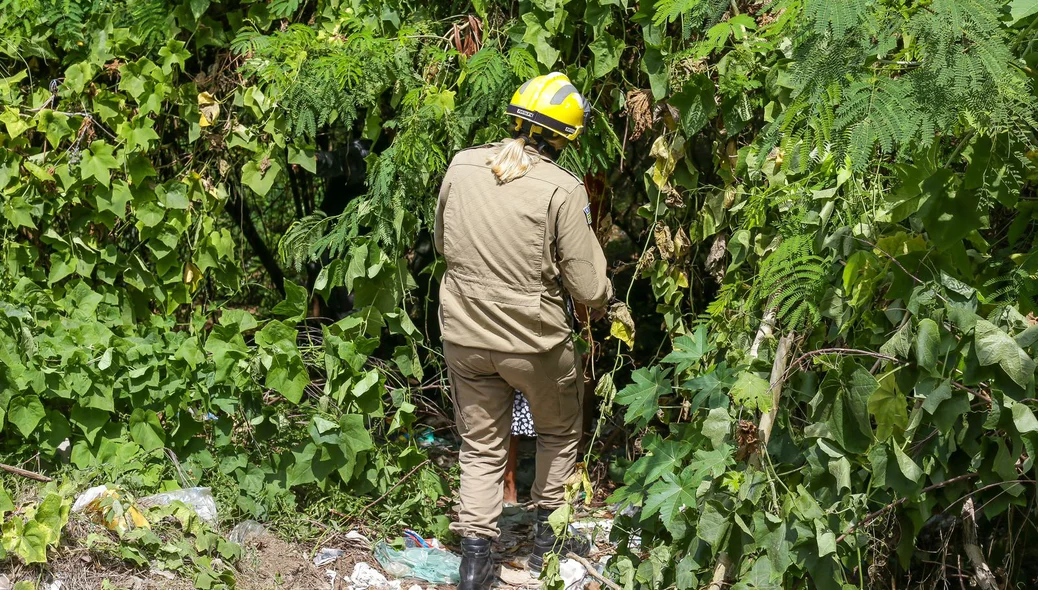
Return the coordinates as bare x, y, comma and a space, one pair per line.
821, 213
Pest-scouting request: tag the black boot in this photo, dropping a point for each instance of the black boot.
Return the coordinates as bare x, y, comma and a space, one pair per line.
545, 541
477, 568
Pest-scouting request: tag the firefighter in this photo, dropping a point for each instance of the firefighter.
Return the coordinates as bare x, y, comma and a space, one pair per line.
515, 230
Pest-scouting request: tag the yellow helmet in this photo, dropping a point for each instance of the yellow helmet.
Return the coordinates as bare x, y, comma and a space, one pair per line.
551, 102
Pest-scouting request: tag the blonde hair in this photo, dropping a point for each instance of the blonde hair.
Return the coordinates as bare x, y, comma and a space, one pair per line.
512, 160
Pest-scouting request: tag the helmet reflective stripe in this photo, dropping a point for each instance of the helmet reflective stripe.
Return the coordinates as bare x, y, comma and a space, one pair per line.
562, 93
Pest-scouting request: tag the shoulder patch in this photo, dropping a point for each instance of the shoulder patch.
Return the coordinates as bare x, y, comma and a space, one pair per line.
587, 213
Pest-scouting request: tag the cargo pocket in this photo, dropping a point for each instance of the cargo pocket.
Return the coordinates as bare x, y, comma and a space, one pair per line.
570, 396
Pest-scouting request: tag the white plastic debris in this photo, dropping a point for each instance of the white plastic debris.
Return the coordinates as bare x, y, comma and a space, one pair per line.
327, 555
246, 531
415, 587
597, 529
365, 576
87, 497
53, 585
359, 539
5, 582
573, 574
89, 502
198, 499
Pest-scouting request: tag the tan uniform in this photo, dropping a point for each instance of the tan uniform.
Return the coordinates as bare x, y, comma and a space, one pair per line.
504, 321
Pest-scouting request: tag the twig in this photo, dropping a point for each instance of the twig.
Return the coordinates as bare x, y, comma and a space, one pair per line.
901, 266
767, 421
874, 515
592, 571
390, 490
724, 563
25, 473
982, 572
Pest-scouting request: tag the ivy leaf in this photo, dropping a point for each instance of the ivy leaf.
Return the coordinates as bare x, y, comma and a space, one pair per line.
293, 307
52, 515
539, 37
116, 199
355, 439
288, 376
713, 524
98, 162
688, 350
19, 213
146, 430
25, 412
6, 505
995, 346
889, 407
751, 392
933, 396
907, 466
260, 176
849, 421
759, 576
89, 420
927, 342
27, 540
825, 538
717, 426
642, 396
655, 67
1023, 418
606, 50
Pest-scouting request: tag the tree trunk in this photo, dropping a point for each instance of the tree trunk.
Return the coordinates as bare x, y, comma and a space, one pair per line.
238, 209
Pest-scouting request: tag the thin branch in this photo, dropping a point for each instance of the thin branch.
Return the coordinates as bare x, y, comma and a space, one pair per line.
981, 570
25, 473
592, 571
874, 515
901, 266
390, 490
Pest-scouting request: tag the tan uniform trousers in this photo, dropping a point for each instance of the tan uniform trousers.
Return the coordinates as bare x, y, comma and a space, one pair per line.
483, 384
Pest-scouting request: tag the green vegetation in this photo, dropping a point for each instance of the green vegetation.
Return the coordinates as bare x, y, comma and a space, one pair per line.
823, 222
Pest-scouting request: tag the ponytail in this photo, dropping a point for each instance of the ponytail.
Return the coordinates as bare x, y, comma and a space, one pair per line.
512, 160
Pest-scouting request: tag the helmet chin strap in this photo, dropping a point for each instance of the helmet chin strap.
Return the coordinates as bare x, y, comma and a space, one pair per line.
536, 140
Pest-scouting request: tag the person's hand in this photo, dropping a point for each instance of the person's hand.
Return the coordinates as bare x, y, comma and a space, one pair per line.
597, 314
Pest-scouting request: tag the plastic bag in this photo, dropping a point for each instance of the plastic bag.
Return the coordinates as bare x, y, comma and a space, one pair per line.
106, 505
198, 499
245, 531
424, 563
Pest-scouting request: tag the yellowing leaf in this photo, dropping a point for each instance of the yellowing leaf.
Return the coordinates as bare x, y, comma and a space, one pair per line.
623, 324
191, 273
208, 108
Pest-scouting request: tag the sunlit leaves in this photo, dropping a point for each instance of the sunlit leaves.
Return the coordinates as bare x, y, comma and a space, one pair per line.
996, 347
260, 176
99, 162
146, 430
642, 396
689, 349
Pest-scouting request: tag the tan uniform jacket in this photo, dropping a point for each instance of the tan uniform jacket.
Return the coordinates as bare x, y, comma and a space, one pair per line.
506, 245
